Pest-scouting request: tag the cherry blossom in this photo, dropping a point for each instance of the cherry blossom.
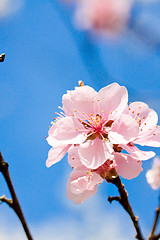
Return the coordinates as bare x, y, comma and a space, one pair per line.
149, 131
93, 120
103, 16
126, 166
153, 175
82, 184
83, 181
95, 128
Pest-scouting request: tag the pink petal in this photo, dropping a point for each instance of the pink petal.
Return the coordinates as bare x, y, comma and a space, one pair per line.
123, 129
149, 138
127, 167
94, 153
87, 181
146, 118
82, 185
74, 158
107, 17
70, 131
56, 154
112, 100
68, 107
137, 153
79, 101
52, 141
153, 175
149, 133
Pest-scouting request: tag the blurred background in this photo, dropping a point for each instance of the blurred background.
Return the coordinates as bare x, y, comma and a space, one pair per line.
46, 55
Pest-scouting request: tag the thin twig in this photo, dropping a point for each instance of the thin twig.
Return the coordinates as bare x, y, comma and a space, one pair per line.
2, 57
123, 200
152, 235
116, 198
13, 203
155, 237
6, 200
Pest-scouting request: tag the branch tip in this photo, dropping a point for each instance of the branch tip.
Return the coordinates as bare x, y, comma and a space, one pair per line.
2, 57
3, 199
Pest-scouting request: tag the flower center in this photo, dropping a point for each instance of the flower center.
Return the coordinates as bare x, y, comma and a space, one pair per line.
97, 126
96, 123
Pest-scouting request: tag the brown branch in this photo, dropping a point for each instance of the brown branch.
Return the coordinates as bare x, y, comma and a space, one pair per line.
155, 237
2, 57
116, 198
13, 203
123, 200
6, 200
152, 236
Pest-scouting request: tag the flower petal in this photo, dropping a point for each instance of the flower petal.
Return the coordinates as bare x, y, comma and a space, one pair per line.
79, 101
52, 141
127, 167
82, 185
137, 153
74, 158
149, 138
123, 129
56, 154
94, 153
112, 100
70, 131
145, 117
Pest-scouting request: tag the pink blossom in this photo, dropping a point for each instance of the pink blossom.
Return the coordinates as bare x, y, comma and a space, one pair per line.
94, 128
104, 16
82, 184
125, 165
94, 121
83, 181
149, 131
153, 175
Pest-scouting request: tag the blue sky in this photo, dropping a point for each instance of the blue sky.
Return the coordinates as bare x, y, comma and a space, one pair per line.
45, 57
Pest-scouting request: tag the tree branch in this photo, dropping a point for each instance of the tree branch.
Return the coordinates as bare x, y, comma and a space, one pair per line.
123, 200
152, 236
155, 237
116, 198
6, 200
13, 203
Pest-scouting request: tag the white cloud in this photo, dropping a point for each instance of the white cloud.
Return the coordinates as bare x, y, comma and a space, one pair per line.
8, 7
93, 223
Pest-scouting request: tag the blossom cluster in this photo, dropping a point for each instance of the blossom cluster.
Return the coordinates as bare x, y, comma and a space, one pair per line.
153, 175
100, 131
107, 17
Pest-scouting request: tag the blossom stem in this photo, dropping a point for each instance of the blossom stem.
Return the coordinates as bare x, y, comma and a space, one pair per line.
2, 57
123, 200
13, 203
